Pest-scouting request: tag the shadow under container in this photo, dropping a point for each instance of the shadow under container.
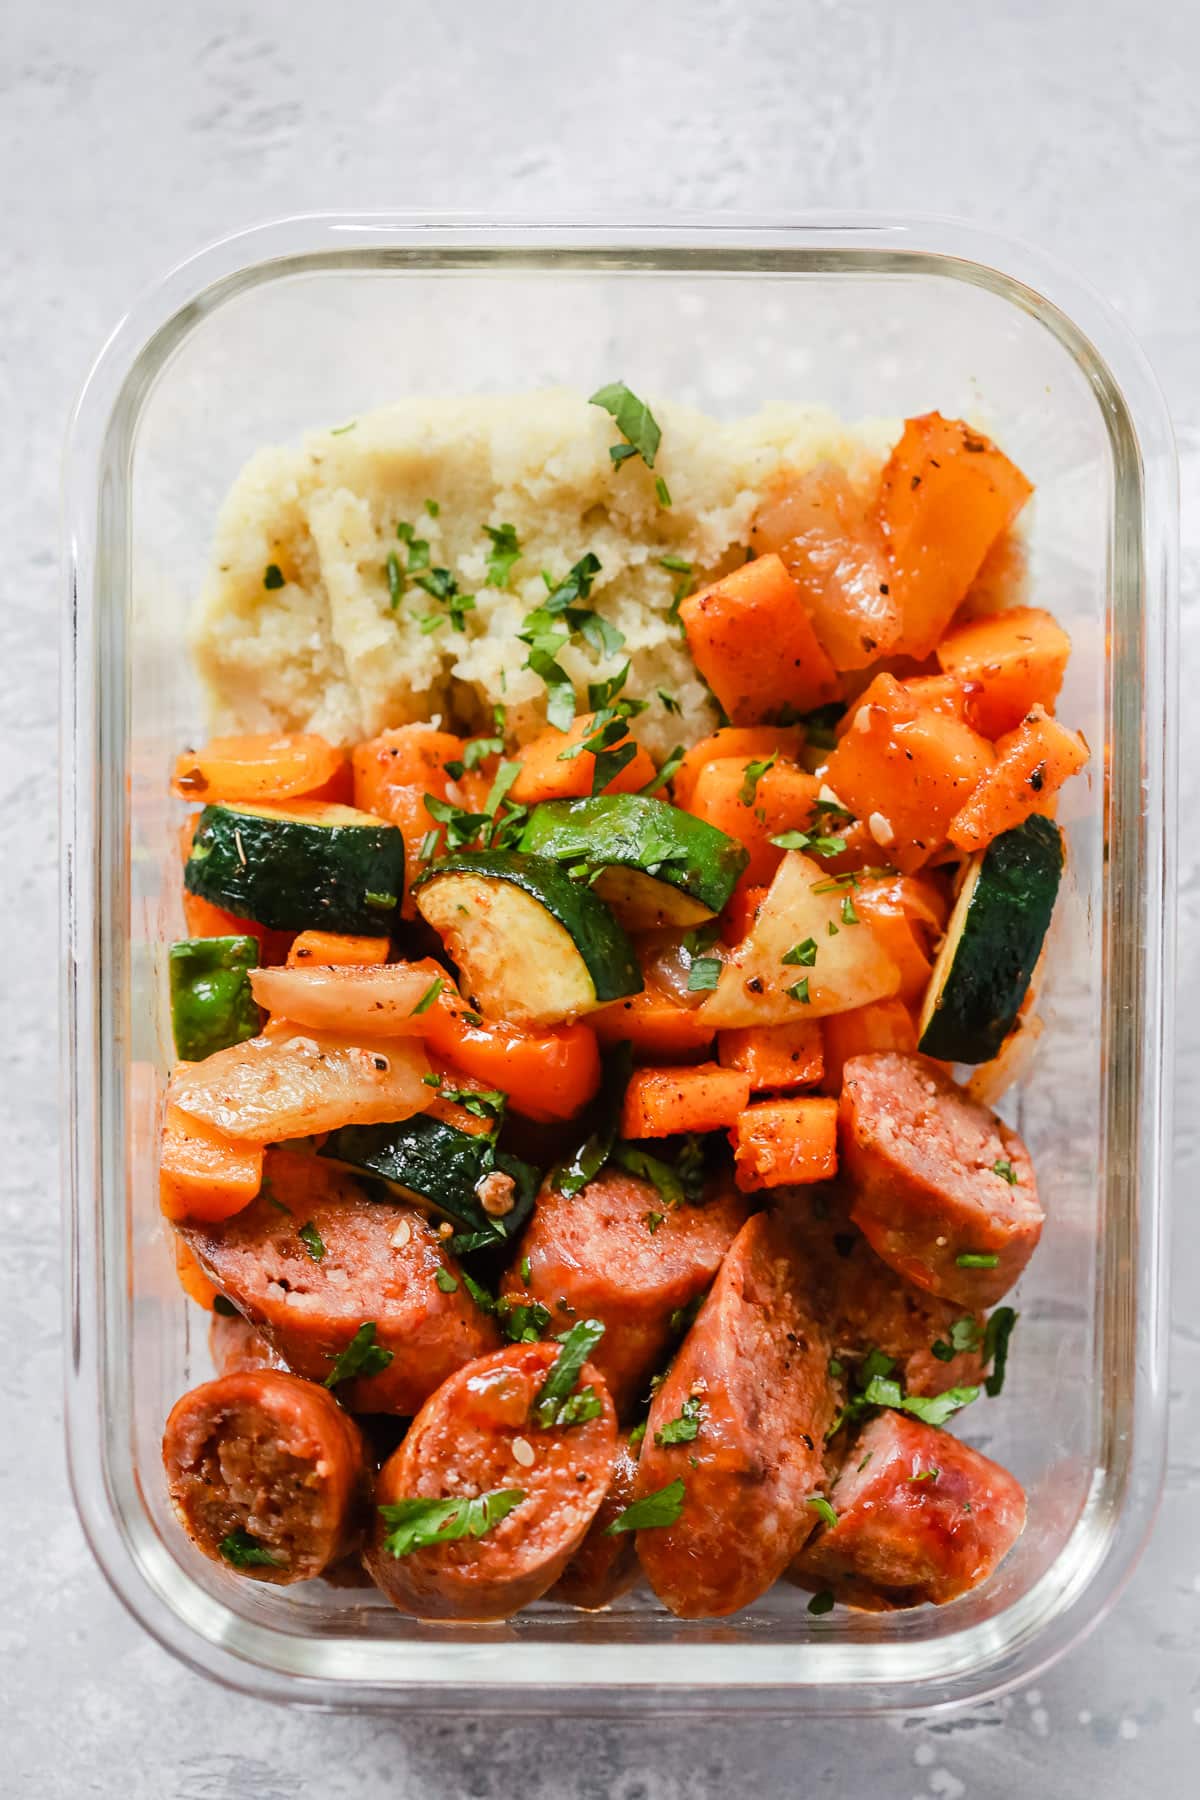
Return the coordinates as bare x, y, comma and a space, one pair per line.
314, 321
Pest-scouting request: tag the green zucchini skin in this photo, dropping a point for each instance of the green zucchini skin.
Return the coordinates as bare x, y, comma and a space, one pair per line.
639, 832
437, 1166
993, 941
212, 1005
603, 946
298, 874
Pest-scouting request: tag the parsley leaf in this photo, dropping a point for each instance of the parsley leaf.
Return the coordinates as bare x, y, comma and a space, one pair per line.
578, 1344
484, 1301
686, 1427
753, 775
995, 1347
445, 1281
976, 1259
823, 1509
522, 1321
805, 954
676, 564
704, 974
651, 1511
849, 916
428, 997
633, 419
418, 1524
935, 1409
805, 840
361, 1357
636, 1161
505, 551
662, 491
667, 772
245, 1552
800, 992
311, 1238
1006, 1172
964, 1335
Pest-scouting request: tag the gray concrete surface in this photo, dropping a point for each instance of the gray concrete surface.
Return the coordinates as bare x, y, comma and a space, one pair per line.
132, 132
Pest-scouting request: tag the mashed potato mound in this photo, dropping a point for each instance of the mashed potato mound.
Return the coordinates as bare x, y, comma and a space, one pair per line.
327, 651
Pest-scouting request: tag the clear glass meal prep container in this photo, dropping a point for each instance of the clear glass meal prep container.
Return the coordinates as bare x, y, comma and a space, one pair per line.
314, 321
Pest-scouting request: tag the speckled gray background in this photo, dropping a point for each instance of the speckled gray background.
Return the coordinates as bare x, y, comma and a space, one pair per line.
131, 132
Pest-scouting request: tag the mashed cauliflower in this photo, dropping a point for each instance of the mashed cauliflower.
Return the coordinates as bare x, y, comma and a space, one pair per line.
296, 627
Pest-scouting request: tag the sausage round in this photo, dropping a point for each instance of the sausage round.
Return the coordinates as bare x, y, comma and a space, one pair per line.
756, 1362
477, 1435
937, 1178
604, 1565
379, 1262
867, 1306
921, 1517
267, 1466
616, 1252
235, 1346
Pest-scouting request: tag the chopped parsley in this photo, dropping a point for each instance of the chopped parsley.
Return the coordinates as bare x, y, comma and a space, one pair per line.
484, 1301
996, 1334
636, 1161
799, 991
1006, 1172
522, 1321
505, 551
819, 845
418, 1524
669, 769
245, 1552
704, 974
361, 1357
929, 1474
976, 1259
428, 997
676, 564
849, 915
551, 1403
804, 954
823, 1509
273, 576
652, 1511
964, 1335
311, 1238
526, 1269
432, 508
670, 703
685, 1428
633, 419
652, 1221
395, 580
661, 491
446, 1281
754, 773
341, 430
442, 585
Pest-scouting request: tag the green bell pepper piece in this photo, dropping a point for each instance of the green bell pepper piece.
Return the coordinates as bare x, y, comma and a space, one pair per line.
212, 1003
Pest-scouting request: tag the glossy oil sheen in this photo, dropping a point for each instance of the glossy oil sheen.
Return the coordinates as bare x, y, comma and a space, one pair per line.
313, 321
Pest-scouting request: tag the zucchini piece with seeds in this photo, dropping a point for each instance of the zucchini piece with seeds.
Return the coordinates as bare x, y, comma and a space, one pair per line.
304, 865
660, 866
992, 942
534, 947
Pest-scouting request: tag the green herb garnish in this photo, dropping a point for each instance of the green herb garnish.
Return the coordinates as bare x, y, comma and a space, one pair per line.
704, 974
633, 419
804, 954
685, 1428
419, 1524
311, 1238
361, 1357
245, 1552
823, 1509
428, 997
505, 551
754, 773
976, 1259
554, 1392
652, 1511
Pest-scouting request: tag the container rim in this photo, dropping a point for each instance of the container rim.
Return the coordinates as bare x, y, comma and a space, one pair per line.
945, 1672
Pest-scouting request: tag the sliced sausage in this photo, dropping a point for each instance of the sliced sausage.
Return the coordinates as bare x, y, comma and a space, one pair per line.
379, 1263
261, 1465
754, 1371
921, 1516
605, 1564
618, 1253
867, 1306
478, 1435
940, 1181
235, 1346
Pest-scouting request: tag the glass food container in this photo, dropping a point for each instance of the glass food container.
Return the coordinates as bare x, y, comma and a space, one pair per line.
313, 321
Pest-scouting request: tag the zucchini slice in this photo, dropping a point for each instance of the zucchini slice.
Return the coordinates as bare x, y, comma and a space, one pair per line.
661, 866
992, 942
303, 865
534, 946
438, 1168
212, 1004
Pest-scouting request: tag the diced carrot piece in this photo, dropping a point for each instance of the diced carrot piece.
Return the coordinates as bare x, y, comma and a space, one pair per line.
203, 1174
661, 1102
782, 799
748, 742
547, 1075
832, 547
774, 1056
753, 642
905, 770
259, 766
1032, 763
335, 949
777, 1141
203, 919
654, 1025
1018, 658
392, 775
884, 1025
192, 1279
741, 910
546, 774
945, 496
893, 911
